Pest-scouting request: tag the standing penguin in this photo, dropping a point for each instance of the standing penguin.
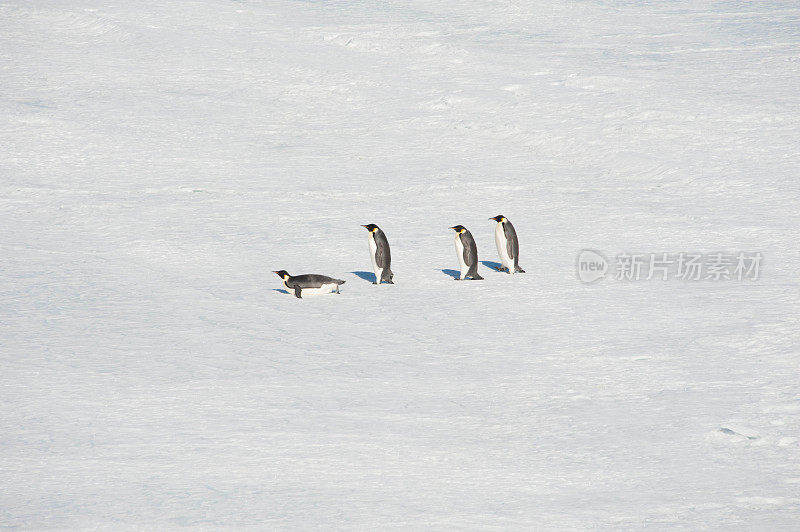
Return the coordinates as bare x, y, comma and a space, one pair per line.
507, 245
380, 254
310, 283
467, 253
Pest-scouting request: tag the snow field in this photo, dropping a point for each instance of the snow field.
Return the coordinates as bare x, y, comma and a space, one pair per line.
159, 161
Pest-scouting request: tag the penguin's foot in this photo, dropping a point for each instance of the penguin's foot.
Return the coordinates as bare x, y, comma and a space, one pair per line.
374, 282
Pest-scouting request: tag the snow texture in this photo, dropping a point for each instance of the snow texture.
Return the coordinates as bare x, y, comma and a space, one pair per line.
158, 160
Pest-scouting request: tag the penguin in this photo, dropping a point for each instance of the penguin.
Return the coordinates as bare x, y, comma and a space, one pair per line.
507, 245
467, 253
380, 254
309, 283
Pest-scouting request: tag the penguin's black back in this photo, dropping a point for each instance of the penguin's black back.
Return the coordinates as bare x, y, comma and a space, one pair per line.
470, 248
383, 256
311, 280
512, 244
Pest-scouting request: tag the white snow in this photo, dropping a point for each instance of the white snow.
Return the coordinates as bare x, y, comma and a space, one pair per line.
158, 160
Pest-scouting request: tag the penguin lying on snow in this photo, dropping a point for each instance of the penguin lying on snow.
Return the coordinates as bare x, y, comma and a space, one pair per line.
309, 283
507, 245
380, 254
467, 253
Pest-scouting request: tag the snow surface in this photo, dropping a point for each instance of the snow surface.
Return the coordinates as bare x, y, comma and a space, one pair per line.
159, 159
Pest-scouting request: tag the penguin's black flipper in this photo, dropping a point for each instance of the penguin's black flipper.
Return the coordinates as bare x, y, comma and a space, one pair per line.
297, 292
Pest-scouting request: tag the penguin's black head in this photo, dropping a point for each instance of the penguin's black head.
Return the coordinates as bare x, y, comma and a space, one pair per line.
283, 274
499, 218
458, 228
370, 227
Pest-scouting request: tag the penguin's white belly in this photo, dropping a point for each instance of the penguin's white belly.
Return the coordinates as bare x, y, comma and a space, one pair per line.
324, 289
373, 247
460, 253
502, 248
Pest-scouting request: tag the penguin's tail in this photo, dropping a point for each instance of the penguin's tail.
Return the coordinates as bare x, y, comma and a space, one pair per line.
519, 270
339, 281
476, 277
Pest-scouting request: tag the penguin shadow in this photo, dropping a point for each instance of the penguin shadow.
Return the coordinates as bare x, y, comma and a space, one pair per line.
280, 290
455, 274
492, 265
367, 276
